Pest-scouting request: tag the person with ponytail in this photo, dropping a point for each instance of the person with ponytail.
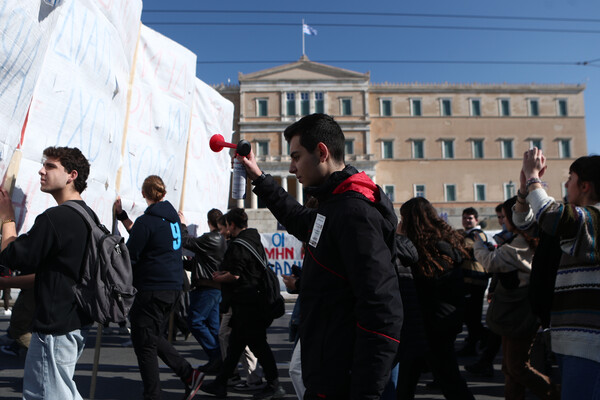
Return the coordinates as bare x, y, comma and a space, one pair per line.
154, 246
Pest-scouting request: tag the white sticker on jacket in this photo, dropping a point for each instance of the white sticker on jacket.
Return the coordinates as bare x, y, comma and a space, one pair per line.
317, 230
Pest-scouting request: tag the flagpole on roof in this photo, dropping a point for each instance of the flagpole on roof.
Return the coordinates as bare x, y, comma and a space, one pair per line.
302, 36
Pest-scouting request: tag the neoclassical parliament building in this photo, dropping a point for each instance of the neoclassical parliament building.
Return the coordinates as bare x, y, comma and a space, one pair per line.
458, 145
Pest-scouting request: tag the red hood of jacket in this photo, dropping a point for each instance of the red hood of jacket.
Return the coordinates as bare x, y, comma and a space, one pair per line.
362, 184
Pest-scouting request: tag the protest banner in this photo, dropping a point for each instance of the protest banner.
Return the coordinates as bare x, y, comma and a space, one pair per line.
80, 97
25, 27
158, 120
283, 250
207, 173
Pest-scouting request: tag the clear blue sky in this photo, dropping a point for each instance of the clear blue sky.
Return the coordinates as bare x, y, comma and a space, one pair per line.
262, 45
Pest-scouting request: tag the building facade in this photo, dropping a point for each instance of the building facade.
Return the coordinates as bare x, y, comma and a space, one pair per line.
458, 145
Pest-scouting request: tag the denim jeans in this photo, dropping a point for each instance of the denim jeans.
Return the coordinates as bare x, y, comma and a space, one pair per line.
203, 319
296, 372
389, 393
580, 378
50, 365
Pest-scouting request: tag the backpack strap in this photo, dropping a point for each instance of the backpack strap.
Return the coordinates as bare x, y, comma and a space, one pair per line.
81, 211
87, 218
262, 260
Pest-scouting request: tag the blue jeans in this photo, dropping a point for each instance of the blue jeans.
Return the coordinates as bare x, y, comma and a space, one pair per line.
389, 393
50, 366
203, 319
580, 378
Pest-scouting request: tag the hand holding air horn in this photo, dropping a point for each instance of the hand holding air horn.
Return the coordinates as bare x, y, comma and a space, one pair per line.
238, 188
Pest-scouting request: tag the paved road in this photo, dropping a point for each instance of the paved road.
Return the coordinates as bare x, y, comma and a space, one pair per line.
119, 378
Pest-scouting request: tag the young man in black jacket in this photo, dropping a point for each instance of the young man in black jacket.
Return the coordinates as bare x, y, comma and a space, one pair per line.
53, 249
242, 274
351, 311
205, 296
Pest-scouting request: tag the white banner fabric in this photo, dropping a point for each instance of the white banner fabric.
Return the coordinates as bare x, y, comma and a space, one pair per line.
81, 97
159, 119
25, 28
208, 173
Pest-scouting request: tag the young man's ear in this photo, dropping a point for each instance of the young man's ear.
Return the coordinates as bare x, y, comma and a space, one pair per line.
323, 151
72, 176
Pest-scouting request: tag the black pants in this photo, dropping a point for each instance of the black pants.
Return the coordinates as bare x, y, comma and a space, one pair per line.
149, 317
444, 366
473, 310
251, 332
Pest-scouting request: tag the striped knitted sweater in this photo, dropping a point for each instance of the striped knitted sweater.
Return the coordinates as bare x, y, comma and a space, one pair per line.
575, 319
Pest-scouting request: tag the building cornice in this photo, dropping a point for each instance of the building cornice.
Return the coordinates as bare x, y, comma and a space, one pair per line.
503, 88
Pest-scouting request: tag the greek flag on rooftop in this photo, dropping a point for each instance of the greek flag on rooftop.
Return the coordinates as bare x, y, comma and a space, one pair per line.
308, 30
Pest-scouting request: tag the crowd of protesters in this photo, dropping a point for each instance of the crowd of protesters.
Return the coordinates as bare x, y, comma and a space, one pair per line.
380, 301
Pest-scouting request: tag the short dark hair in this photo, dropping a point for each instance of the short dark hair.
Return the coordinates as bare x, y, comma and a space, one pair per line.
499, 207
73, 160
214, 216
222, 220
238, 217
471, 211
587, 169
316, 128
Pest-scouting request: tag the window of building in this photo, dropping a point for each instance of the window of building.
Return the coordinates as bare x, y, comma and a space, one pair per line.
504, 105
385, 107
262, 148
319, 106
262, 106
415, 107
534, 108
448, 148
304, 103
479, 191
563, 190
290, 103
349, 146
419, 190
475, 108
564, 148
387, 149
561, 107
450, 192
507, 148
477, 148
389, 190
418, 148
510, 190
346, 106
446, 107
535, 143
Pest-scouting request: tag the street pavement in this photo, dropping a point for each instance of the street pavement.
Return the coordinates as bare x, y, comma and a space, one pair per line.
119, 378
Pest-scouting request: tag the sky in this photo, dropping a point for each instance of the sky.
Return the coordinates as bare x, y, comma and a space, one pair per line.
546, 37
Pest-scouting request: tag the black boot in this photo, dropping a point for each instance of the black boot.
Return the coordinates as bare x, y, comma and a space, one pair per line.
212, 367
273, 390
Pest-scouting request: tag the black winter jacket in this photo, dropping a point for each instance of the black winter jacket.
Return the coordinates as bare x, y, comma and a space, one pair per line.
209, 250
351, 311
155, 249
412, 337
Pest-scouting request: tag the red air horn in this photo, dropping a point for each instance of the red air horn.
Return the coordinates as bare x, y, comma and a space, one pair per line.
217, 142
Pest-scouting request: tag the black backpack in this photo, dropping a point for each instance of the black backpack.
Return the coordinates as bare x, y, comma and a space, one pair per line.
272, 289
105, 290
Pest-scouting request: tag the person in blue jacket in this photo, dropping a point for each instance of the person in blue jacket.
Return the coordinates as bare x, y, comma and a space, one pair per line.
156, 257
